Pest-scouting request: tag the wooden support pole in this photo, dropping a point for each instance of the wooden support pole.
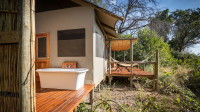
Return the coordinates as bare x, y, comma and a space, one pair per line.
124, 55
155, 80
131, 56
143, 66
110, 78
154, 72
91, 97
114, 55
99, 87
24, 55
32, 72
157, 64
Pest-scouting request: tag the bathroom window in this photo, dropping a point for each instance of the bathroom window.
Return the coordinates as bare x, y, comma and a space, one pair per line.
71, 43
100, 46
42, 45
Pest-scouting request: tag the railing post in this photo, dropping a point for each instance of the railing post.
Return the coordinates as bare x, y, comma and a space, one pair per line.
124, 56
155, 82
114, 54
131, 56
143, 66
110, 78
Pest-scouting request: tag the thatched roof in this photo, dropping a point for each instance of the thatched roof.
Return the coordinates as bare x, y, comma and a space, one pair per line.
120, 45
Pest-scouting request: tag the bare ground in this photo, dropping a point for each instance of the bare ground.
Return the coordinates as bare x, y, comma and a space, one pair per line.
121, 95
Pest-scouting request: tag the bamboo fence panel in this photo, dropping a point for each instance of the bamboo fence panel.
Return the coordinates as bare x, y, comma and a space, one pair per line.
9, 78
9, 20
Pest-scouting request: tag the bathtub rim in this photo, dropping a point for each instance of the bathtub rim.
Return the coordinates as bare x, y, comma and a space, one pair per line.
67, 70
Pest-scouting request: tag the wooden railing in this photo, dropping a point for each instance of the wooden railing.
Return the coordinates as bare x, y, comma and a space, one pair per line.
155, 68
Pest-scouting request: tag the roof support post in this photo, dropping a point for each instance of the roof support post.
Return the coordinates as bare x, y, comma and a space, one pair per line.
131, 58
24, 55
124, 55
32, 71
110, 78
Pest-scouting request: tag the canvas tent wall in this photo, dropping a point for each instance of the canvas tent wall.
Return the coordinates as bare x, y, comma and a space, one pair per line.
79, 17
86, 16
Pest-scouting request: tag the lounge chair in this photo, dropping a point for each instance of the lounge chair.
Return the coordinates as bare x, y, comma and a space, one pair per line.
122, 64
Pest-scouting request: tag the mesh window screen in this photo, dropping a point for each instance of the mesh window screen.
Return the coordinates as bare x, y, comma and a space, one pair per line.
42, 47
71, 43
100, 46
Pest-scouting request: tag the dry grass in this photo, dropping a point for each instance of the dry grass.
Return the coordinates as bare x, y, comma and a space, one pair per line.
134, 100
129, 98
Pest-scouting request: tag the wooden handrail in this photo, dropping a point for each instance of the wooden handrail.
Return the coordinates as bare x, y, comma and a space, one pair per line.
139, 62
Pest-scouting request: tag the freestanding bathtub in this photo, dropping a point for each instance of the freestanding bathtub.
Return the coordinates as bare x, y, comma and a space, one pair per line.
61, 78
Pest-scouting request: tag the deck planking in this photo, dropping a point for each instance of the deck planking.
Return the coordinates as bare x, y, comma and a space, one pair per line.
54, 100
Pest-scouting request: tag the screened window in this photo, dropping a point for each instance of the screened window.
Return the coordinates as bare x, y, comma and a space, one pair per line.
71, 43
42, 47
100, 46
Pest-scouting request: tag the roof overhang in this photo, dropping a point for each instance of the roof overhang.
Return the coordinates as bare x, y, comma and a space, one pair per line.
106, 20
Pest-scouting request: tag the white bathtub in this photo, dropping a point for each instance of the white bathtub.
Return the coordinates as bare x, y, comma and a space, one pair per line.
60, 78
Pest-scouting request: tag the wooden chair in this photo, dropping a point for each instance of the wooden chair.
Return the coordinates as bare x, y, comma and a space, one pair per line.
69, 65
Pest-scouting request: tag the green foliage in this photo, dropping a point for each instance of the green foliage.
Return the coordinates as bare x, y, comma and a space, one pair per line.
148, 42
186, 28
192, 62
187, 101
83, 108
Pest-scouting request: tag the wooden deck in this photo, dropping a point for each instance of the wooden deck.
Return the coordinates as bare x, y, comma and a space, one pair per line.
57, 100
125, 72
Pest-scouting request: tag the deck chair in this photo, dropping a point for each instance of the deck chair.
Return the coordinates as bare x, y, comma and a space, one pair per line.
122, 64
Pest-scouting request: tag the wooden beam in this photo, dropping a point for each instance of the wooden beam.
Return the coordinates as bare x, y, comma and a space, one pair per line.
24, 55
111, 35
8, 11
9, 37
107, 26
131, 56
99, 23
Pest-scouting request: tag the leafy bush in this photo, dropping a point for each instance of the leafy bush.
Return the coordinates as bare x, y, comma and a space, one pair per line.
192, 62
148, 42
187, 101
